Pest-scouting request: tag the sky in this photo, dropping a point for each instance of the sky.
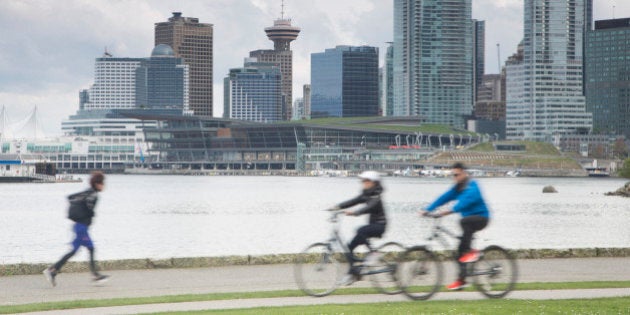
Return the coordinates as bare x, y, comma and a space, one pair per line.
47, 48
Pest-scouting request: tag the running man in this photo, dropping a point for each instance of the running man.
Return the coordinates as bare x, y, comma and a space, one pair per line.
81, 225
475, 217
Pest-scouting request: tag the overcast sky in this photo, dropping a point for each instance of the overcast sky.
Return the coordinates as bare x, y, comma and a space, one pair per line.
47, 48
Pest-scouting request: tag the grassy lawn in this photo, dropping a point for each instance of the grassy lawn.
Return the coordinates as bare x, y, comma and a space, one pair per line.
531, 147
412, 307
506, 306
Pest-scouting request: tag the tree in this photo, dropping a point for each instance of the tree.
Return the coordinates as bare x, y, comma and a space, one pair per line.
624, 171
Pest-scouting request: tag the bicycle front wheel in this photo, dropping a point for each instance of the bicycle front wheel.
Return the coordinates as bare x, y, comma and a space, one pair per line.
420, 273
384, 271
495, 272
317, 271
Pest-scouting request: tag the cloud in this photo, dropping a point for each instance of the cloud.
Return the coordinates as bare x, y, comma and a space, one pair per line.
47, 48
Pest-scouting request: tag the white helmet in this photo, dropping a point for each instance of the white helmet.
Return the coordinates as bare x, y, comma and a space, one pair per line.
371, 176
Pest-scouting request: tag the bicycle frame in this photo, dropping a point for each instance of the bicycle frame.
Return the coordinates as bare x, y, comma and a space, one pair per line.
437, 233
335, 238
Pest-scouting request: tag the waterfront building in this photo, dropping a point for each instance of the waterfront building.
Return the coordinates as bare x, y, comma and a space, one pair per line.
197, 144
282, 33
388, 82
433, 64
544, 89
254, 92
344, 82
114, 84
607, 76
193, 42
162, 81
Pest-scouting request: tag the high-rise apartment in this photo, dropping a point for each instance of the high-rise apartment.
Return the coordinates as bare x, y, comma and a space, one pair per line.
344, 82
254, 92
114, 84
544, 89
607, 76
282, 33
191, 41
433, 60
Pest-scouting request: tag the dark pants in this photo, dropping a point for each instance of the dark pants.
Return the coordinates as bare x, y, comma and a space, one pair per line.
363, 234
470, 225
82, 238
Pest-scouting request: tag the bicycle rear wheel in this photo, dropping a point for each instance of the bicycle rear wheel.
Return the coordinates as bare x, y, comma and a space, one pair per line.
420, 273
384, 271
495, 272
317, 271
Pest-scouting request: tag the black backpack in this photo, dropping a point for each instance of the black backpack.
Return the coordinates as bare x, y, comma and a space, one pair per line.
78, 207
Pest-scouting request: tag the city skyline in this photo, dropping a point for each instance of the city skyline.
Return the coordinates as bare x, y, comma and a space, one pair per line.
47, 66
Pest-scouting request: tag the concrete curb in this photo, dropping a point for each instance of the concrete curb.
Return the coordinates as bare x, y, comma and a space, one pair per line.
203, 262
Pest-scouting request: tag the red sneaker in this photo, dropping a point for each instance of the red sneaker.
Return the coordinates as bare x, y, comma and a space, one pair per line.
457, 285
471, 256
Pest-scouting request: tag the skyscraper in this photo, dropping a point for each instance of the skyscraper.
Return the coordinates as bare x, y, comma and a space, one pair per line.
114, 84
282, 33
607, 76
544, 90
479, 51
193, 42
254, 92
344, 82
388, 82
162, 81
433, 60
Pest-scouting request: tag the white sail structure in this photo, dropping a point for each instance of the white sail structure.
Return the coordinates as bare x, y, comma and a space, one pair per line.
29, 128
6, 132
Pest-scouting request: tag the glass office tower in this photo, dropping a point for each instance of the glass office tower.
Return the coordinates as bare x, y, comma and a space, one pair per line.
254, 92
162, 81
344, 82
607, 76
433, 60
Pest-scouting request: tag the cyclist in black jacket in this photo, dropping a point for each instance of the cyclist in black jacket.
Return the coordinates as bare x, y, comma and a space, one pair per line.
371, 197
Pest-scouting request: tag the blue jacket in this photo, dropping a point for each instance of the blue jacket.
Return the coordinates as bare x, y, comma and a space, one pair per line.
469, 200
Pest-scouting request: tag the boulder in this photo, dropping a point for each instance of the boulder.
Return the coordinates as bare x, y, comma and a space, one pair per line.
623, 191
549, 189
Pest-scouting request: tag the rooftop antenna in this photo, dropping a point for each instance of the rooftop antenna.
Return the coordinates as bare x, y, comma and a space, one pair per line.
282, 11
499, 56
613, 11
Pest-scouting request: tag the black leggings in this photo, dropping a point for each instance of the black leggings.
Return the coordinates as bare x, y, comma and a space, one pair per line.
470, 225
67, 256
363, 234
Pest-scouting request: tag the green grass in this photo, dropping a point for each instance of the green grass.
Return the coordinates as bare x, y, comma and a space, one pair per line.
531, 147
9, 309
506, 306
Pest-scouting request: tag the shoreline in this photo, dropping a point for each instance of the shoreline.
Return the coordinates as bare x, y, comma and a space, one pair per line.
248, 260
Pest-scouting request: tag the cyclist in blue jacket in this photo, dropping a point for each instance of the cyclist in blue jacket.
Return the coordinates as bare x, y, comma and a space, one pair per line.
475, 217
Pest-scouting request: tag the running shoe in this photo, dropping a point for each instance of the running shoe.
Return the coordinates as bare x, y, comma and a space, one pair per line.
50, 276
457, 285
471, 256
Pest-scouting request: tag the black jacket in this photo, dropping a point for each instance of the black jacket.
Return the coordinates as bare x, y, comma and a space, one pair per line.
90, 196
373, 204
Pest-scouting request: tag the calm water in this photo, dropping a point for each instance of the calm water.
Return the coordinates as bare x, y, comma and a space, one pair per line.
184, 216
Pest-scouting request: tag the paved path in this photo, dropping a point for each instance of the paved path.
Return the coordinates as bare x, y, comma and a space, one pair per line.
142, 283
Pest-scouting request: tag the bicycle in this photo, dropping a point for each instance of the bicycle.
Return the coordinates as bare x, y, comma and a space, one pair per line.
494, 273
319, 268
